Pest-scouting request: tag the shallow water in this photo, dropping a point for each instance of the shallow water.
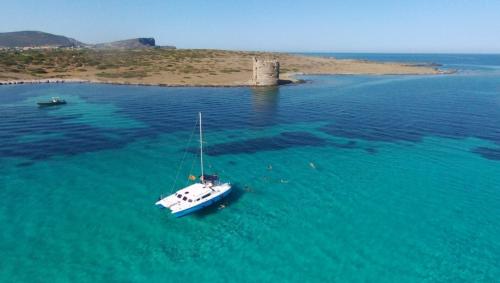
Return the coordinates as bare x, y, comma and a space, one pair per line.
345, 178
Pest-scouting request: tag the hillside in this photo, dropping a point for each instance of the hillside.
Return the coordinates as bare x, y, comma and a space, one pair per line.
20, 39
36, 39
134, 43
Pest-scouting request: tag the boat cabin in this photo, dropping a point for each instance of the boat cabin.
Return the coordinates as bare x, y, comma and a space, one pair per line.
209, 179
194, 193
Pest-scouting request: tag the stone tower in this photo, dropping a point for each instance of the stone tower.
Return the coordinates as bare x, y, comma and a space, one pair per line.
265, 72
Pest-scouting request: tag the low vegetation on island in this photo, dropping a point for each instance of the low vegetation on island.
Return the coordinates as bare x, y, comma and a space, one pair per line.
159, 66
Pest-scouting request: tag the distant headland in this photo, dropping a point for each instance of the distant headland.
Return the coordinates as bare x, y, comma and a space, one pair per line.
37, 57
23, 40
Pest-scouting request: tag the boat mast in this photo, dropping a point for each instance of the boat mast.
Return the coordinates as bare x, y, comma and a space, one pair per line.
201, 150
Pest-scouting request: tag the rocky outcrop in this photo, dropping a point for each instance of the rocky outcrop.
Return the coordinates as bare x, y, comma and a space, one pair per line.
43, 81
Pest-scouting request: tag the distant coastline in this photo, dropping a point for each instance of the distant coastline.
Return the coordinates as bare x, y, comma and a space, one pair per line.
179, 68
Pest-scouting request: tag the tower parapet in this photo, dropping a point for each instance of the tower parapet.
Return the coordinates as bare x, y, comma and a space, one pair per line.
266, 72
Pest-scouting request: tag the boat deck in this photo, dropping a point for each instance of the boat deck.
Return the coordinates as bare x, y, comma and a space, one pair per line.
193, 195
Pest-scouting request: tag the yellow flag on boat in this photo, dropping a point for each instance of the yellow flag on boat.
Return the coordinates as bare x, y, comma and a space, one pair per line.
192, 177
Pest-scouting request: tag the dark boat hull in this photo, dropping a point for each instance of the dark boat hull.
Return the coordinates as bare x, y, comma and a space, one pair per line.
51, 103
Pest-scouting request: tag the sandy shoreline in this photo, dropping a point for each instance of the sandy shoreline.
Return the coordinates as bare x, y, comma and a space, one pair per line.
284, 80
79, 81
182, 68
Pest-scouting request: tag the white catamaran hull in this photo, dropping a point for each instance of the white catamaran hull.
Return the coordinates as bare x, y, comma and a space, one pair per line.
194, 197
201, 205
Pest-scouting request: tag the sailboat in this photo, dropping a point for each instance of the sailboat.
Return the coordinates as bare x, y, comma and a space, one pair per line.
199, 195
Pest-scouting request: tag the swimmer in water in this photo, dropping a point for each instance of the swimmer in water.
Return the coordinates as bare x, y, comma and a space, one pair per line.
248, 189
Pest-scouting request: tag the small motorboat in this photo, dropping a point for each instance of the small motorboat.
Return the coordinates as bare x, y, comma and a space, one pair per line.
54, 101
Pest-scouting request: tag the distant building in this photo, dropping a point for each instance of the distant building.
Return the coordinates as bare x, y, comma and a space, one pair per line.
266, 72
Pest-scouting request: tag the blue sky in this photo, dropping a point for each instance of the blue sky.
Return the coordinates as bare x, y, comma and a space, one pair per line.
343, 26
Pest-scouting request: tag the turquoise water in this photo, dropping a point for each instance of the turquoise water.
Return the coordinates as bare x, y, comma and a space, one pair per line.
343, 178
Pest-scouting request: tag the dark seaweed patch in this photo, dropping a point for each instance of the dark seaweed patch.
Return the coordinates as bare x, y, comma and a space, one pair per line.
405, 111
24, 164
282, 141
489, 153
349, 144
371, 132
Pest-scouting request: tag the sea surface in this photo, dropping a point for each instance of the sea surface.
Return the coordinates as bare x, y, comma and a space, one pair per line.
339, 179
